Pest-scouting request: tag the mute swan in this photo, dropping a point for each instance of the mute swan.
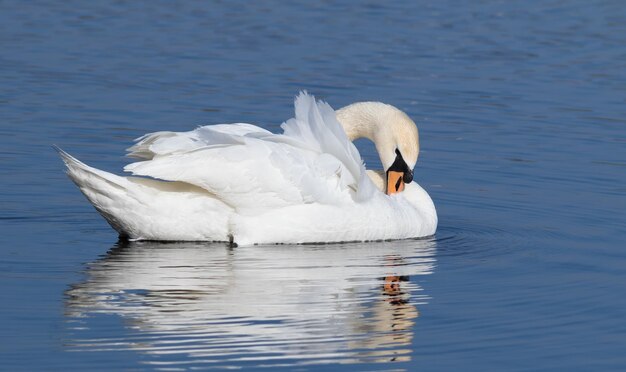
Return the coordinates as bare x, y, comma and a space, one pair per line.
244, 184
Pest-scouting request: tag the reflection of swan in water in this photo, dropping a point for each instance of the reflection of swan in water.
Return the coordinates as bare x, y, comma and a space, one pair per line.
268, 305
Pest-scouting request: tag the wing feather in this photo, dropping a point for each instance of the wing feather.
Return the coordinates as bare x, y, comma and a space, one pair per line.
252, 169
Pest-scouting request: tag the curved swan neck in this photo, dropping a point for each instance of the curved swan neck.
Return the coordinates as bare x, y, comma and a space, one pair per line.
388, 127
366, 119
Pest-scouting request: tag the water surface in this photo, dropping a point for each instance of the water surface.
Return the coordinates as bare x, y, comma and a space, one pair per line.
521, 110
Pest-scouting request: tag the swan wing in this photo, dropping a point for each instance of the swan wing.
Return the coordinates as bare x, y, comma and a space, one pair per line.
316, 125
166, 143
252, 169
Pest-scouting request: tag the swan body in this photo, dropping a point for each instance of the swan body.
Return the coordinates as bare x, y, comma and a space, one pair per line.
242, 183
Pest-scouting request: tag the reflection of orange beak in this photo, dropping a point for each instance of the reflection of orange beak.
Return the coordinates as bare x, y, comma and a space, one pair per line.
392, 285
395, 183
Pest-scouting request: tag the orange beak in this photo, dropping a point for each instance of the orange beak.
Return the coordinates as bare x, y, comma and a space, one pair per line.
395, 182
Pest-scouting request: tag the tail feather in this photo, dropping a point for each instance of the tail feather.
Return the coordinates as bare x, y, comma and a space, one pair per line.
104, 190
140, 208
77, 170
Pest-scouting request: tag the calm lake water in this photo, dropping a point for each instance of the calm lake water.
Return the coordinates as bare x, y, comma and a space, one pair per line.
522, 114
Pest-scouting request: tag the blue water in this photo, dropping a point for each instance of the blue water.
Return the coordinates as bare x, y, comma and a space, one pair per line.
522, 115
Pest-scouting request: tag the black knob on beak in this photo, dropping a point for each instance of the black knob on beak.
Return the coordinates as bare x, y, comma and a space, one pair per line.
408, 176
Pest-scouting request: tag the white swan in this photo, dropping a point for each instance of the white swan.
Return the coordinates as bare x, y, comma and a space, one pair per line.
242, 183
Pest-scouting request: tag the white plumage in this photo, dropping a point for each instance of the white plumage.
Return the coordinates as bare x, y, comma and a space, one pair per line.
243, 183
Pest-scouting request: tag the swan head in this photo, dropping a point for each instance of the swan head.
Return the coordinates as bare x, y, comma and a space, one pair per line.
394, 134
398, 147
